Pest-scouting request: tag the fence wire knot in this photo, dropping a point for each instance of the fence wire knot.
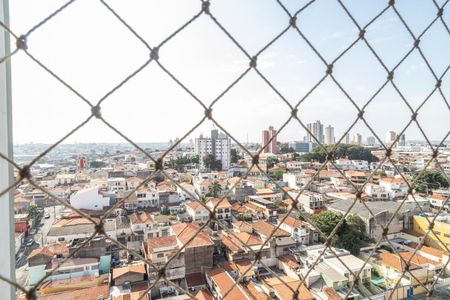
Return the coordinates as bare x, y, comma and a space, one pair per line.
388, 152
438, 83
205, 7
96, 111
293, 21
154, 53
31, 294
99, 228
24, 172
294, 112
390, 75
208, 113
329, 69
159, 164
362, 34
253, 62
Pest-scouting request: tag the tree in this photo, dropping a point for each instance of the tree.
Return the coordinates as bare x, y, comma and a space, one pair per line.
348, 235
428, 181
278, 173
271, 161
32, 211
96, 164
235, 156
342, 150
326, 221
356, 223
212, 163
286, 149
214, 189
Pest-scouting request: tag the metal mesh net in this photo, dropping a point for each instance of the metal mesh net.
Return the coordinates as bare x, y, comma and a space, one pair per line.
206, 10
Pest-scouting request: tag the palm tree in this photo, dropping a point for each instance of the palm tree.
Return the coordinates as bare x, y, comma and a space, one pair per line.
214, 189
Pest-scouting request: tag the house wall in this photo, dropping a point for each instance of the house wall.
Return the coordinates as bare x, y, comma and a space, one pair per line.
131, 277
198, 257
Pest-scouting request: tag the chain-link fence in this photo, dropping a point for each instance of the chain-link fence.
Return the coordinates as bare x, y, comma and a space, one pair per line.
206, 10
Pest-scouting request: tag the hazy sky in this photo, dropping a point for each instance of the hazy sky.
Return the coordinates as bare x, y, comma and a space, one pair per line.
90, 49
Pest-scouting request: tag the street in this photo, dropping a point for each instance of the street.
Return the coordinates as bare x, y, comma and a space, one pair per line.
42, 228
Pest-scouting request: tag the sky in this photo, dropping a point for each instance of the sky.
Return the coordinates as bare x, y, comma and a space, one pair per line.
92, 51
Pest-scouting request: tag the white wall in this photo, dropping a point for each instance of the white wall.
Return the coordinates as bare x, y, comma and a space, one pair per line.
89, 199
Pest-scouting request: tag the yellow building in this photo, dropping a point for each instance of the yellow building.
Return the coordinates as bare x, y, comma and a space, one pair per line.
441, 230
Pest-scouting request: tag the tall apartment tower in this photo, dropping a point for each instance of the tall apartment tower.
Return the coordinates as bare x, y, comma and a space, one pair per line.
265, 138
390, 138
347, 139
371, 140
218, 145
402, 141
316, 129
329, 135
357, 139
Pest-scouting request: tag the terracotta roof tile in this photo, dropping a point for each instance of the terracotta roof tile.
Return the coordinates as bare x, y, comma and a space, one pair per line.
264, 228
117, 272
185, 231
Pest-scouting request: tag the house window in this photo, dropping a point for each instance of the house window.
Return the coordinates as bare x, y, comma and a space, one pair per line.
160, 255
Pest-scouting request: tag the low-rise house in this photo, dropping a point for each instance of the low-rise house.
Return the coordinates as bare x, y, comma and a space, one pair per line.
129, 282
392, 267
91, 198
117, 184
242, 245
280, 241
220, 282
159, 251
375, 191
396, 188
187, 190
281, 291
310, 202
69, 268
197, 212
222, 207
66, 230
199, 247
147, 197
260, 205
300, 231
438, 200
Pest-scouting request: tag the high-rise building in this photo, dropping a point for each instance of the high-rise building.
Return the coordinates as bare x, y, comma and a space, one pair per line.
390, 138
347, 139
371, 141
266, 136
218, 145
82, 162
329, 135
357, 139
316, 130
402, 141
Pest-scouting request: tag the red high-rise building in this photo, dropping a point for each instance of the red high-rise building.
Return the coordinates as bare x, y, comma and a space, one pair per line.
266, 136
